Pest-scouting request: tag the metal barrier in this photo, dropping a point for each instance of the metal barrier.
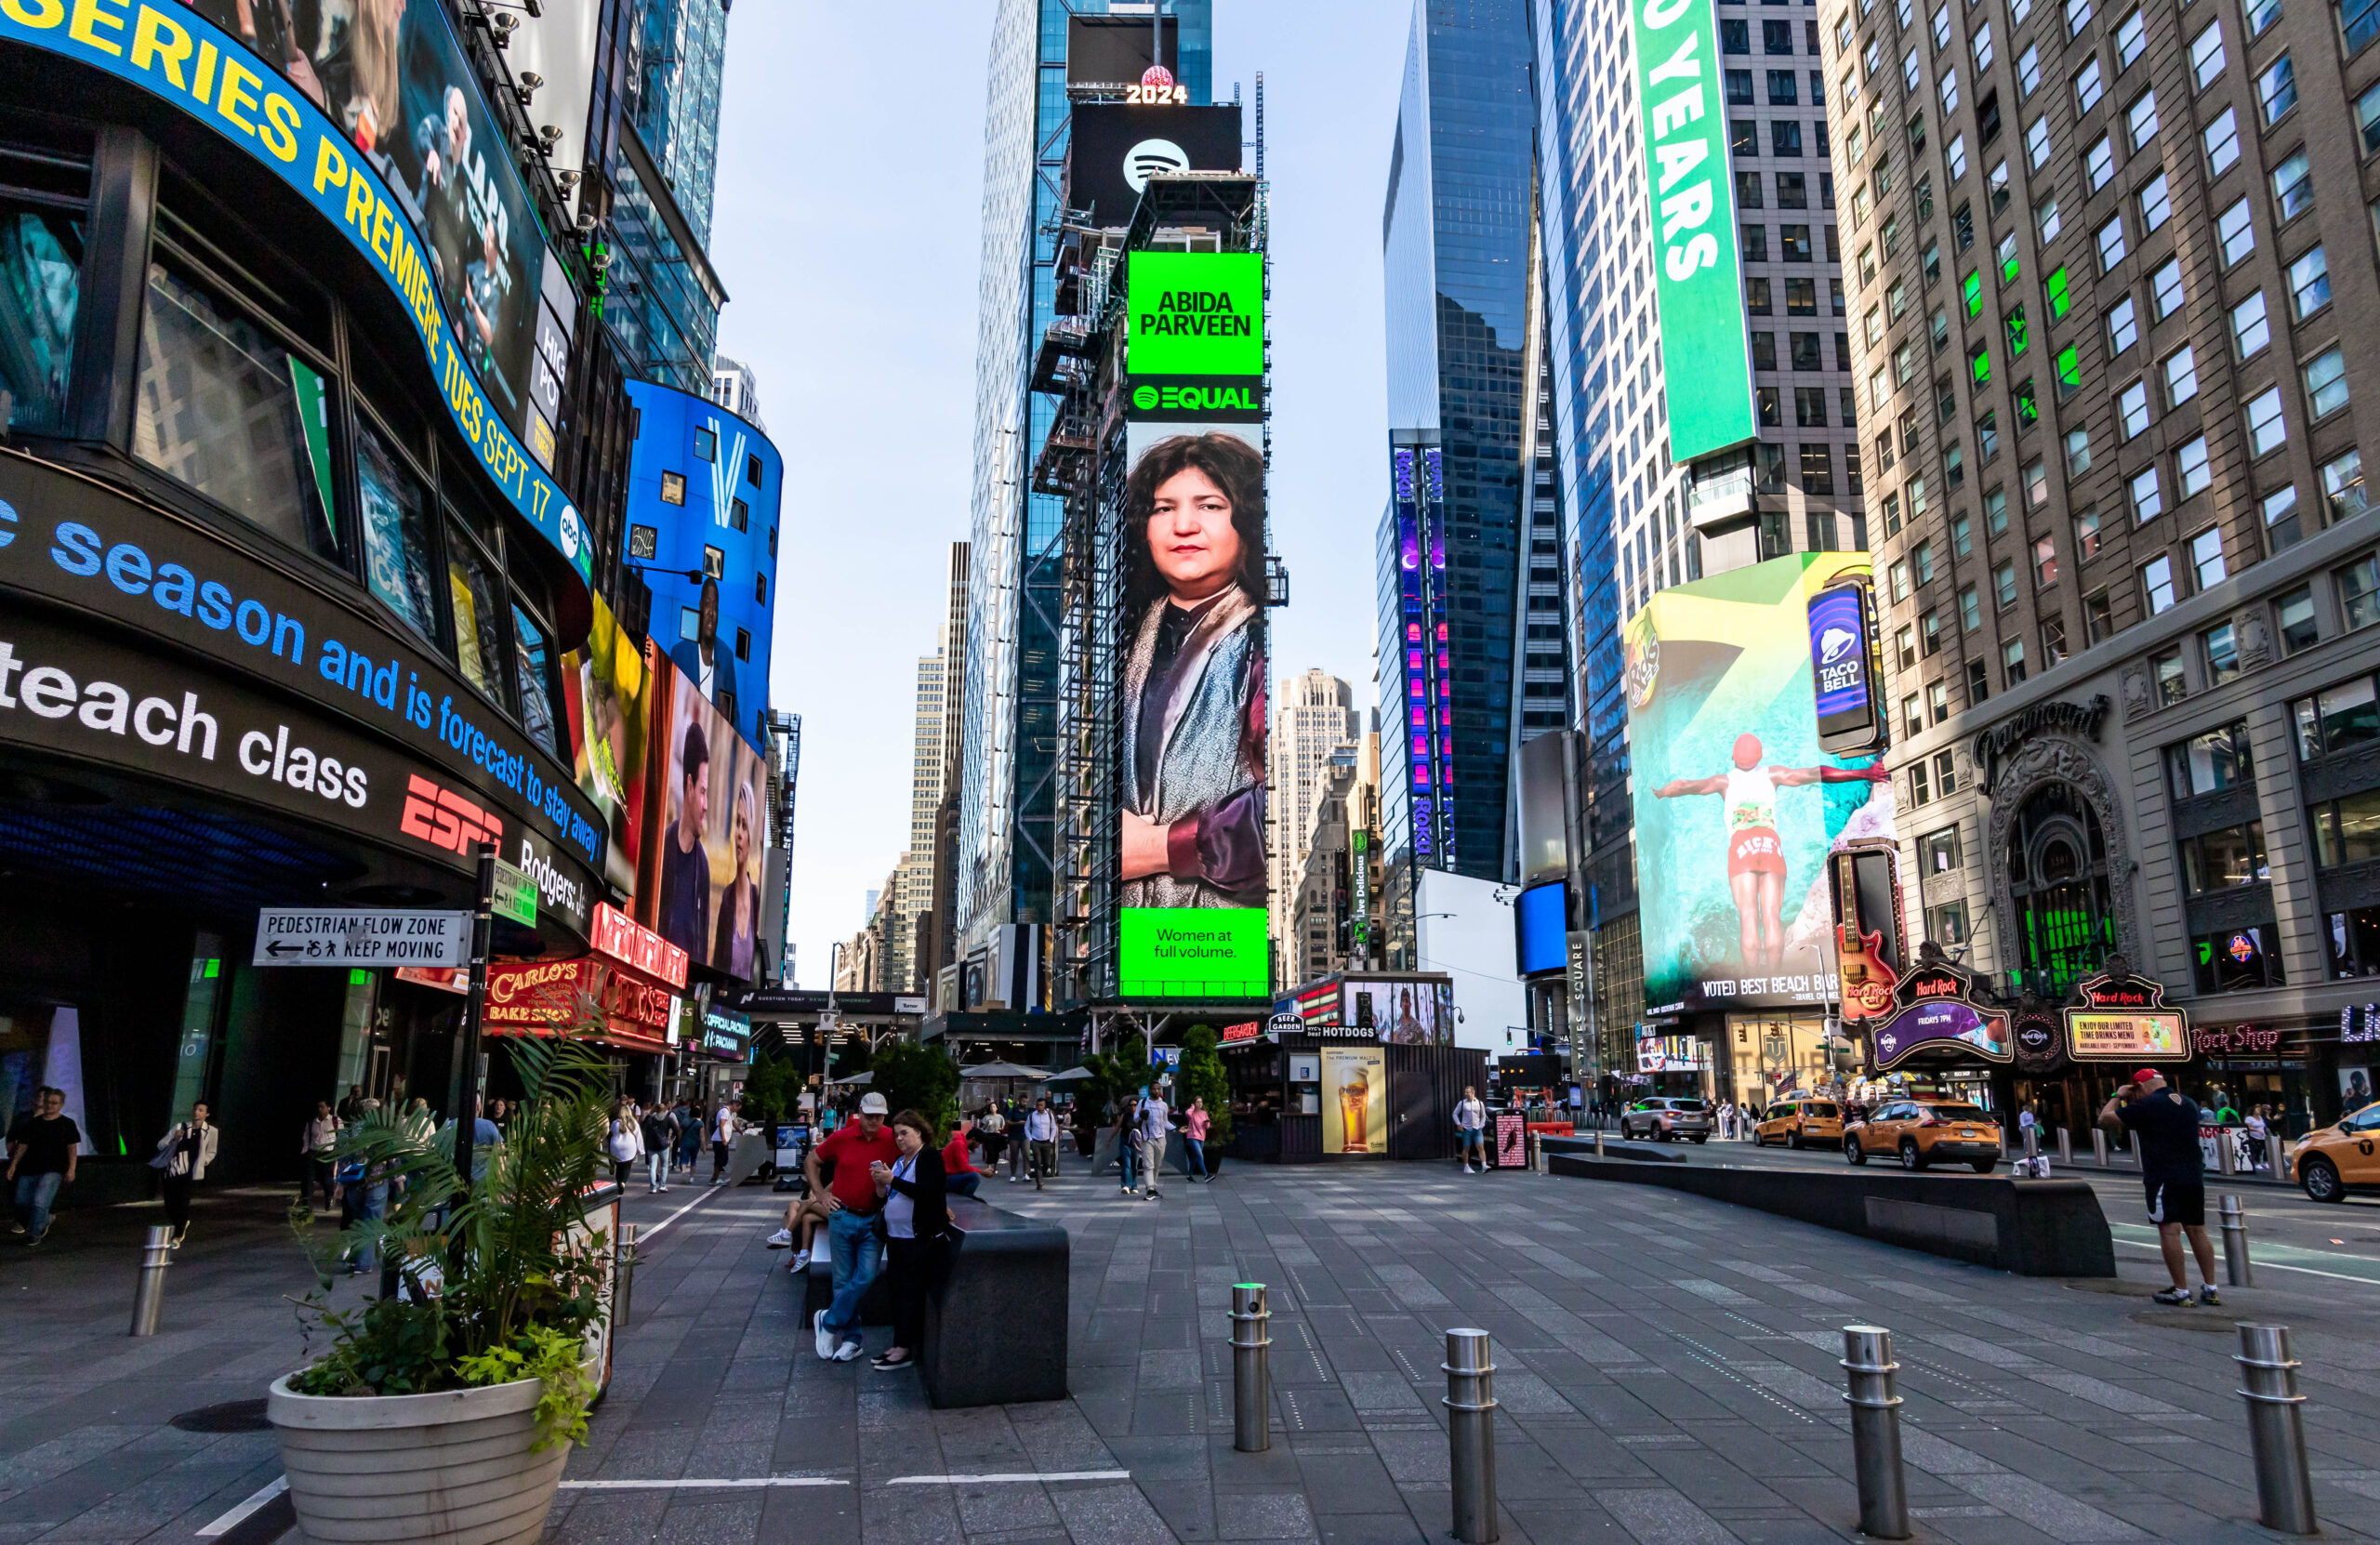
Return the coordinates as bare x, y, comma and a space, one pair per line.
1875, 1431
1251, 1378
2099, 1147
1598, 1143
2276, 1429
2227, 1159
2066, 1148
1470, 1434
1537, 1153
2238, 1270
149, 1299
623, 1277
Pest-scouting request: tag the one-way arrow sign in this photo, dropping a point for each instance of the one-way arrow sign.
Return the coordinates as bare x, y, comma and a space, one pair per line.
362, 937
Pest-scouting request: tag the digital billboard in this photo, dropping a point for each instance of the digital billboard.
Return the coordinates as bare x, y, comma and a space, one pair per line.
1195, 337
1191, 712
605, 689
1846, 662
1117, 147
1111, 53
1697, 273
1408, 1012
1354, 1100
705, 488
698, 880
384, 134
1736, 805
1540, 929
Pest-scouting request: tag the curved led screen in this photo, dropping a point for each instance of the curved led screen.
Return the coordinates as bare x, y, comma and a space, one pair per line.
1537, 920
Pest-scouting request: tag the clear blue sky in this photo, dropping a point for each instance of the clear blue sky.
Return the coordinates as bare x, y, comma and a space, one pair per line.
846, 230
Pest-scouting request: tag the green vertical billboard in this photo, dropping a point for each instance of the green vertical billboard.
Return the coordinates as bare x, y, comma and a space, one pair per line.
1194, 335
1698, 270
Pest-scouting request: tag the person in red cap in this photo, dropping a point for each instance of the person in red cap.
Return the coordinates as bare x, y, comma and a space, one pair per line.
1755, 854
2164, 1125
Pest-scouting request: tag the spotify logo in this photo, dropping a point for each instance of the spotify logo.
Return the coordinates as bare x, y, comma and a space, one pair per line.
1144, 397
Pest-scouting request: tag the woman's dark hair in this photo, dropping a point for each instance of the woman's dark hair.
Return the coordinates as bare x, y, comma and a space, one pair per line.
917, 1124
1234, 465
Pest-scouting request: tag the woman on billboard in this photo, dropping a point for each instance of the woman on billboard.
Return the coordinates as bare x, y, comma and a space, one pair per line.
1755, 856
1192, 727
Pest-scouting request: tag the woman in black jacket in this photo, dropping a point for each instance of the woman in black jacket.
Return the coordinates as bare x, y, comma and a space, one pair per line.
917, 1211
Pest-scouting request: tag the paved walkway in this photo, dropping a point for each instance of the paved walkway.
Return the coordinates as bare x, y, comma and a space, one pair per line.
1667, 1367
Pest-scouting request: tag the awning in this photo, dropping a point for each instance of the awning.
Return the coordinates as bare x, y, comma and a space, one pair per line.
1002, 1070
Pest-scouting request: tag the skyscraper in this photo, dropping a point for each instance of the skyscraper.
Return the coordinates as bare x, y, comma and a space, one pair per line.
678, 53
1008, 790
737, 388
908, 970
1455, 235
1316, 717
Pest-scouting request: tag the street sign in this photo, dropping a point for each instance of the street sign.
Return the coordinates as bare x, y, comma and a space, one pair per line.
515, 895
362, 937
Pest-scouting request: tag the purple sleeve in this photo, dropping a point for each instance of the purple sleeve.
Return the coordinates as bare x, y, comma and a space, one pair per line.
1231, 841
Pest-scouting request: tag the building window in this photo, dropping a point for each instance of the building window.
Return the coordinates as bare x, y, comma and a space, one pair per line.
1962, 535
2267, 430
2309, 283
2003, 584
2277, 90
2359, 587
2250, 330
2132, 408
2237, 959
2206, 557
2236, 229
2012, 661
2326, 383
673, 488
2054, 650
1947, 924
2221, 139
2343, 491
1921, 784
1938, 852
2123, 325
2337, 718
2348, 830
2157, 583
2281, 518
2190, 468
2088, 87
2078, 452
2099, 162
2219, 653
2165, 289
2098, 619
2293, 617
2148, 499
2207, 54
1979, 683
2209, 763
2057, 871
2171, 682
2086, 533
2181, 377
2044, 563
1970, 610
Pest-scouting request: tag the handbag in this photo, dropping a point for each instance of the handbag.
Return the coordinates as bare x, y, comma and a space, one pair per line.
622, 1145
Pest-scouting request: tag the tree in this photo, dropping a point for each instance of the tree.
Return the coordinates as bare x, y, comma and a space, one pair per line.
772, 1089
913, 1077
1201, 1077
1116, 1077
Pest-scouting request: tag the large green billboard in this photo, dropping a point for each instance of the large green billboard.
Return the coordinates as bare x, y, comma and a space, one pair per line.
1195, 335
1737, 806
1193, 952
1698, 271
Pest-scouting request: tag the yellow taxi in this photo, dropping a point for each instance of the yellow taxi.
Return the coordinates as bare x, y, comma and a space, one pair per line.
1926, 1132
2338, 1160
1801, 1123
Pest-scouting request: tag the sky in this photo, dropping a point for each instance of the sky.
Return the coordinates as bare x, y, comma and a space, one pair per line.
846, 229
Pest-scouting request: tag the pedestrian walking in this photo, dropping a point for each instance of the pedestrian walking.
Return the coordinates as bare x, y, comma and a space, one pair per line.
2259, 1133
352, 1108
1194, 1142
659, 1130
2164, 1125
991, 1131
723, 1138
625, 1142
690, 1136
1470, 1129
852, 1208
1154, 1120
1042, 1135
183, 1154
42, 1148
917, 1215
960, 1176
1086, 1126
314, 1151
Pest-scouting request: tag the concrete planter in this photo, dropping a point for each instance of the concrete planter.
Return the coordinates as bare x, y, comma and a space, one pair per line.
455, 1468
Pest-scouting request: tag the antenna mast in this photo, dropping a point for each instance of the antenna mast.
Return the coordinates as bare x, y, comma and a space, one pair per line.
1260, 126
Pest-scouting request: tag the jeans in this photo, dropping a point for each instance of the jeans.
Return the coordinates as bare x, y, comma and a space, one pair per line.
1193, 1156
964, 1185
656, 1165
370, 1202
858, 1254
35, 1195
317, 1181
1127, 1157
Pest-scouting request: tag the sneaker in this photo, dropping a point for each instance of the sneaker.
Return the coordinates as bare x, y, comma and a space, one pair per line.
2209, 1297
887, 1365
801, 1262
781, 1240
848, 1352
16, 1228
825, 1337
1154, 1194
2172, 1295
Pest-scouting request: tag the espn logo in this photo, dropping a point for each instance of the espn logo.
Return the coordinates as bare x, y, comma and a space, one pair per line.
444, 819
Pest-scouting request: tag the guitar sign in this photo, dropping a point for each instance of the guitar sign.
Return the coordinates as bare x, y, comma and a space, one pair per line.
1868, 978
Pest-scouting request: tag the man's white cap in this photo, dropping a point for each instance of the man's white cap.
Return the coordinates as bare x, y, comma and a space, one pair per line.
871, 1103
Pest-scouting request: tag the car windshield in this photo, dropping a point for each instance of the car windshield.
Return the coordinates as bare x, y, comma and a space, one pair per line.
1689, 1107
1819, 1109
1958, 1113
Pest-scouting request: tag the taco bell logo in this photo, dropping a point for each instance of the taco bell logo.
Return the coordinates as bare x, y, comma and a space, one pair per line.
1835, 643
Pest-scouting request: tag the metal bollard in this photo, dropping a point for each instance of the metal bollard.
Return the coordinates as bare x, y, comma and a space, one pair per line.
1470, 1434
623, 1277
2226, 1158
2276, 1429
2032, 1142
1537, 1153
2065, 1148
2099, 1147
1251, 1378
1875, 1431
149, 1299
2238, 1270
1598, 1143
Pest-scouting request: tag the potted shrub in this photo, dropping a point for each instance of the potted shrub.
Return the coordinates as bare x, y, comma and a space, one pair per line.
446, 1411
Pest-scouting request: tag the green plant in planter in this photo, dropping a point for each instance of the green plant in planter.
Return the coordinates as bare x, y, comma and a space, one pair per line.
497, 1281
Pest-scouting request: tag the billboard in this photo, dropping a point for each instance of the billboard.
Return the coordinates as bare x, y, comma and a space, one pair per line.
605, 689
1541, 927
1117, 147
1697, 280
1194, 336
1409, 1013
705, 488
1111, 53
1845, 661
384, 133
1737, 806
699, 879
1191, 727
1544, 808
1354, 1100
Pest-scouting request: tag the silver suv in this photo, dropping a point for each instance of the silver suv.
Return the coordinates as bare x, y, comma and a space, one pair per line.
1667, 1119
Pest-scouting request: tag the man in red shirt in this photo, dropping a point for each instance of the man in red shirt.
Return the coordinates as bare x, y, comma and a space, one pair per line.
851, 1206
961, 1177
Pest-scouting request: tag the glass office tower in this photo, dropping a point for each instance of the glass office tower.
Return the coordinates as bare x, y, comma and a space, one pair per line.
1455, 240
1008, 789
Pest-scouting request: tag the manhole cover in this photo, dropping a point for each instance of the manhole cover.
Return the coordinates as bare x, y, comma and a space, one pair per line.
233, 1416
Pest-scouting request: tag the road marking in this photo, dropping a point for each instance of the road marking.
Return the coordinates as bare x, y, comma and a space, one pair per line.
1022, 1478
706, 1485
239, 1515
708, 1192
2264, 1265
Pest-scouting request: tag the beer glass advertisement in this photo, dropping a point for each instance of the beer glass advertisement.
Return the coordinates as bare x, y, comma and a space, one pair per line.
605, 687
1191, 731
1737, 806
395, 77
698, 883
1354, 1100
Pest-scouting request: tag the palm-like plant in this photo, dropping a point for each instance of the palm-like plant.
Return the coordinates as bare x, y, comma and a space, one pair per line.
500, 1279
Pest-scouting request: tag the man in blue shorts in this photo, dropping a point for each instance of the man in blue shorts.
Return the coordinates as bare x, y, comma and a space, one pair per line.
2164, 1135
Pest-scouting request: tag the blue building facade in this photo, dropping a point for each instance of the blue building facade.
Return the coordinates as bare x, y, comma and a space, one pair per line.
1455, 237
705, 493
1008, 788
